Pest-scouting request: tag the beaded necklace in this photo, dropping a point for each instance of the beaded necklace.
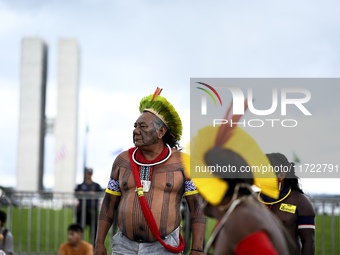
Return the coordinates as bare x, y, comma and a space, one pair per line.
145, 167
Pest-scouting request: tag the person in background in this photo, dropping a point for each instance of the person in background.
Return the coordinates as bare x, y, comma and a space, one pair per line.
292, 207
6, 237
91, 207
75, 244
244, 225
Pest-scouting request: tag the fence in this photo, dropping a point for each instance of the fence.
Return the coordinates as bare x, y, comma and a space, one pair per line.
39, 220
327, 224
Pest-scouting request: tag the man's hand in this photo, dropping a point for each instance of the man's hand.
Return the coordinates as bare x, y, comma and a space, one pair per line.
100, 250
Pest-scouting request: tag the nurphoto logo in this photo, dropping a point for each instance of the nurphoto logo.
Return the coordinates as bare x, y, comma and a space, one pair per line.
280, 99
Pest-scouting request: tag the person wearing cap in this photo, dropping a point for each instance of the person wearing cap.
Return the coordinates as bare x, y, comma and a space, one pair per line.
91, 207
244, 225
146, 186
292, 207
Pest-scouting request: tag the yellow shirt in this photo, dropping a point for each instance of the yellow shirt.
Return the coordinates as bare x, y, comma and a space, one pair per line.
84, 249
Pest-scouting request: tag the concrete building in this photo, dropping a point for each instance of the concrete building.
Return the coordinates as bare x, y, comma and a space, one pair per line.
33, 124
32, 114
66, 122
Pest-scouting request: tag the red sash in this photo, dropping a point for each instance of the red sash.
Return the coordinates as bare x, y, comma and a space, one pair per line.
147, 211
257, 243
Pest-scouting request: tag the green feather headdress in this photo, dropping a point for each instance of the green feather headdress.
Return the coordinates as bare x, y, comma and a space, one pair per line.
159, 106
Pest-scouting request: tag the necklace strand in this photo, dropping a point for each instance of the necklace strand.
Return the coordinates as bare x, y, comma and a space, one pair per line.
274, 202
152, 164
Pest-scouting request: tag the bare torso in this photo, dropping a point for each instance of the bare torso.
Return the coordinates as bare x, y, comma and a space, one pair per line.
248, 218
290, 219
164, 199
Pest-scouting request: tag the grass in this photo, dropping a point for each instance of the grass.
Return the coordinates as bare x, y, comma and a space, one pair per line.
43, 230
53, 231
320, 244
328, 235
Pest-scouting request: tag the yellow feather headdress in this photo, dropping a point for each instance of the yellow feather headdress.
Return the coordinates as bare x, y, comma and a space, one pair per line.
237, 141
159, 106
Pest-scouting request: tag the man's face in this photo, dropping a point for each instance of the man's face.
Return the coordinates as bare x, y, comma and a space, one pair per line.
74, 237
88, 175
145, 133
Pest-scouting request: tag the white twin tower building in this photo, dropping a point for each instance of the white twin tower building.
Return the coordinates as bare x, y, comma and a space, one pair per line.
33, 124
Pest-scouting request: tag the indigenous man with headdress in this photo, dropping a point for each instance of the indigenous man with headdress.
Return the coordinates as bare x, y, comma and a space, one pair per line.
146, 188
292, 207
244, 225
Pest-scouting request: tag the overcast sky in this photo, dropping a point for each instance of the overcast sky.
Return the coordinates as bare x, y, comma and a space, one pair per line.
130, 47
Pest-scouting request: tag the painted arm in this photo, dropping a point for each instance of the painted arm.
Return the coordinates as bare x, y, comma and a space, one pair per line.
106, 218
197, 220
108, 209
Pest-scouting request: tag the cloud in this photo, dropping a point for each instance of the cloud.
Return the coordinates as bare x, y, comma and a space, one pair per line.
128, 48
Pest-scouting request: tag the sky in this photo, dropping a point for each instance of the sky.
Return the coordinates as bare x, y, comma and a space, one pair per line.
128, 48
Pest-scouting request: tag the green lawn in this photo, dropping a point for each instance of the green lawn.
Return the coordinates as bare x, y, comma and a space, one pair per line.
53, 230
318, 234
328, 235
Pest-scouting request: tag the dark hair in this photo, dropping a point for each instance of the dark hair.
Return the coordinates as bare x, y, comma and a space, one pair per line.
291, 180
167, 138
76, 228
3, 216
226, 157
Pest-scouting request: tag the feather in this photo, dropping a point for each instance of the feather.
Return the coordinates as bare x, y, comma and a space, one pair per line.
159, 106
235, 139
224, 131
157, 93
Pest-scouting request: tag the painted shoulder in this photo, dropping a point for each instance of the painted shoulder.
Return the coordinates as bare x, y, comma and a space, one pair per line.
122, 160
124, 155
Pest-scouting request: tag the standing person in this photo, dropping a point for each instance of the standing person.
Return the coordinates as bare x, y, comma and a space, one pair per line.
75, 244
91, 214
146, 187
6, 237
225, 160
292, 207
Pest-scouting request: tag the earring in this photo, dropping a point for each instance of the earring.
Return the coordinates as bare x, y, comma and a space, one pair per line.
279, 186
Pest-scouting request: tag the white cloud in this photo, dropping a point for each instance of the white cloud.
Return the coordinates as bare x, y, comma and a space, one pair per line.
128, 48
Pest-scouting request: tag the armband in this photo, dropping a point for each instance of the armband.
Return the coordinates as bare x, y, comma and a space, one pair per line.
190, 188
113, 188
306, 222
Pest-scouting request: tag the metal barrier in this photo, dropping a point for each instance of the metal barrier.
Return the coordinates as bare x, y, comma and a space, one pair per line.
327, 210
39, 220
